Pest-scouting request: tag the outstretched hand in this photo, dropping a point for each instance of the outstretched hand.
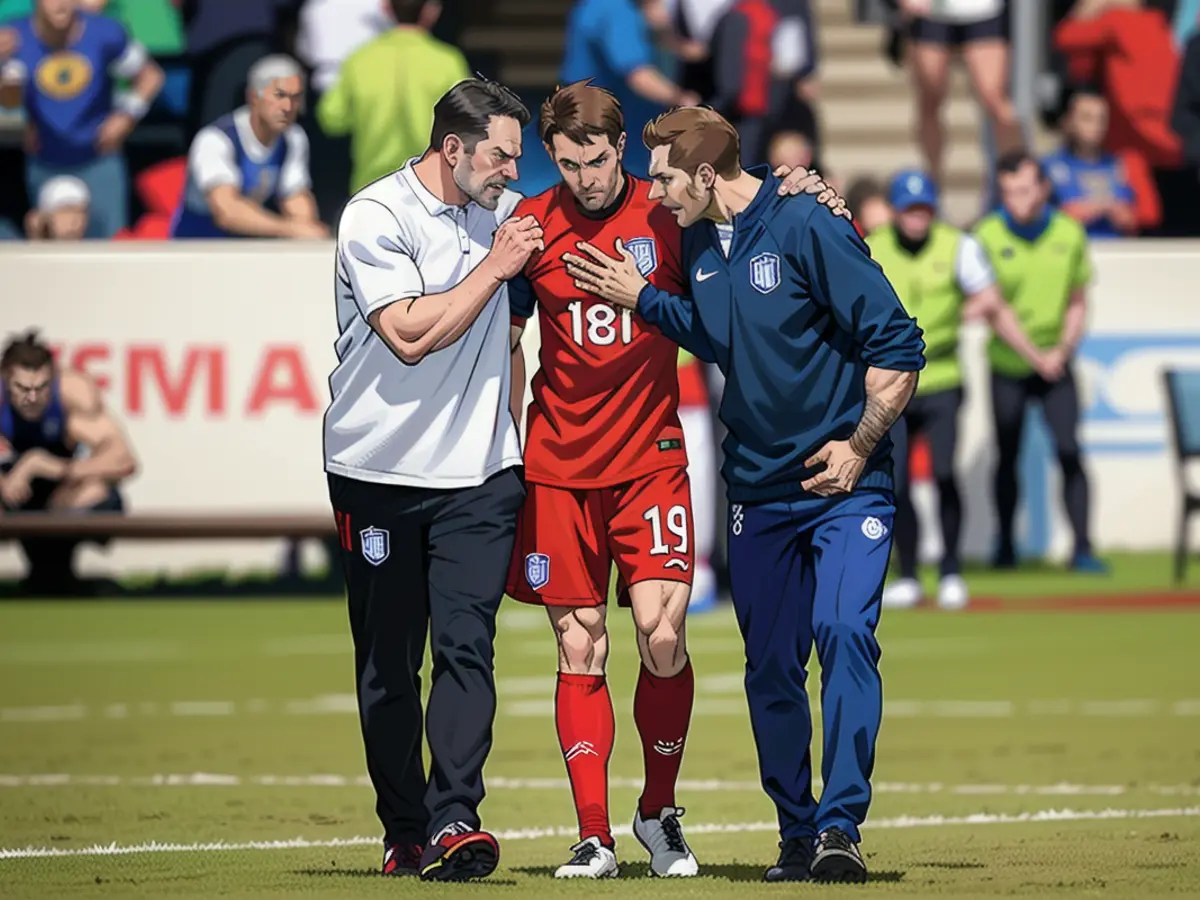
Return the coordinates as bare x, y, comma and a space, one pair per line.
615, 279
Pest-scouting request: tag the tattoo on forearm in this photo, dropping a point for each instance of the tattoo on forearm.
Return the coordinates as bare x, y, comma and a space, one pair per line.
885, 402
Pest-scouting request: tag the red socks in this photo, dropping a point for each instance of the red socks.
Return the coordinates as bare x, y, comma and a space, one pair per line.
583, 712
662, 709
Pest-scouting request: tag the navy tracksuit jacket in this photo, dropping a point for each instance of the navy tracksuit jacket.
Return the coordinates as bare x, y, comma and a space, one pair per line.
794, 317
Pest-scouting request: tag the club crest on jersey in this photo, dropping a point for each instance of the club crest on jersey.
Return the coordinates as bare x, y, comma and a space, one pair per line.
537, 570
645, 254
376, 544
764, 272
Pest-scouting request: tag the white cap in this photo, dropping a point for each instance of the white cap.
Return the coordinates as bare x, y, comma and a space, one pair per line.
63, 191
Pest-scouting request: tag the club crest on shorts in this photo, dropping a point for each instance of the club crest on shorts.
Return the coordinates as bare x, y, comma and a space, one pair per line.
645, 254
764, 272
537, 570
873, 529
376, 544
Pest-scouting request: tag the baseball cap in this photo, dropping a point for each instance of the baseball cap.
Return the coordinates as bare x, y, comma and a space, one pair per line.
63, 191
912, 187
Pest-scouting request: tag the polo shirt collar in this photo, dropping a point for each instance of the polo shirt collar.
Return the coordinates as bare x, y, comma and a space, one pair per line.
433, 205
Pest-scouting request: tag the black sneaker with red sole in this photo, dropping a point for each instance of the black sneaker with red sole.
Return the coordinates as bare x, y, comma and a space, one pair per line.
459, 853
402, 859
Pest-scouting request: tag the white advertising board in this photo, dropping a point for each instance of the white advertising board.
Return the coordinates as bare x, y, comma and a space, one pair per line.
215, 358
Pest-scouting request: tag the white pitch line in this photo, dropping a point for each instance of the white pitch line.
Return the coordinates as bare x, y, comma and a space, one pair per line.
500, 782
716, 698
899, 822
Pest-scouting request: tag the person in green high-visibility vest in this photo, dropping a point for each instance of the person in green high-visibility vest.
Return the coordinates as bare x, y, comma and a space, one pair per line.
1041, 260
943, 278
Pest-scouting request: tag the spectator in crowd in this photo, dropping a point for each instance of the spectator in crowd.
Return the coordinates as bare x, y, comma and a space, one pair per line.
1185, 21
224, 39
247, 173
748, 91
62, 211
65, 62
791, 149
1090, 184
609, 42
944, 279
692, 26
155, 24
794, 60
977, 29
386, 90
1040, 256
328, 32
868, 204
1185, 118
60, 449
1129, 49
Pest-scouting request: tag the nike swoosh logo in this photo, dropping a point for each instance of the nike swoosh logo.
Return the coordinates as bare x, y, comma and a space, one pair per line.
701, 275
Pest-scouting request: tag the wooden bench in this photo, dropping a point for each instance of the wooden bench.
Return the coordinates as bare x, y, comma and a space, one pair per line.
162, 526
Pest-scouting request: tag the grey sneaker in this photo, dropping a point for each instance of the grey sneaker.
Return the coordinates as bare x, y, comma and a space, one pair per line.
670, 856
838, 859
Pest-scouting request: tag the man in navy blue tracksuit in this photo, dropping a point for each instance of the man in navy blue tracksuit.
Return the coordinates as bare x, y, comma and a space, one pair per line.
820, 359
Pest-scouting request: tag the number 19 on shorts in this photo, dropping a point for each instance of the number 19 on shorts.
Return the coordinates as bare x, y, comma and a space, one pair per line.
599, 324
676, 522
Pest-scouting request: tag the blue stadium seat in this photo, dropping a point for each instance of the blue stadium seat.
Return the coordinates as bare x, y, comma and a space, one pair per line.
1183, 400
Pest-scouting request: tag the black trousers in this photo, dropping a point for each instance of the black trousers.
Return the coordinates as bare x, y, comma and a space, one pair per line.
421, 564
935, 416
1060, 407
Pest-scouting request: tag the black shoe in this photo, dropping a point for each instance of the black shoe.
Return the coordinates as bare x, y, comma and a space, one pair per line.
459, 853
795, 861
837, 859
402, 859
1004, 559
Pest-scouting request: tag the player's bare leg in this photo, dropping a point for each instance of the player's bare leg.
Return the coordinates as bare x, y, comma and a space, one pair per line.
583, 714
662, 709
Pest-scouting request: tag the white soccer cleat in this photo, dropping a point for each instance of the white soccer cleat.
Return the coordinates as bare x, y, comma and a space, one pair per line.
953, 593
670, 856
903, 593
591, 860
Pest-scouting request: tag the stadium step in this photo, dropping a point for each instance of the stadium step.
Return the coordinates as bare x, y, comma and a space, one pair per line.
873, 120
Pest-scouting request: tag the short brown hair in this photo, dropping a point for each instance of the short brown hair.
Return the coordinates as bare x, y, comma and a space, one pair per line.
581, 111
696, 134
26, 352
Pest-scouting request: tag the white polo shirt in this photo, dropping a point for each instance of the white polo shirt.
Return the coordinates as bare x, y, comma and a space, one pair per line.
443, 422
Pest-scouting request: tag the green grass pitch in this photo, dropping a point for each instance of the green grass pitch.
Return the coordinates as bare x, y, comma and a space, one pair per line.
1024, 752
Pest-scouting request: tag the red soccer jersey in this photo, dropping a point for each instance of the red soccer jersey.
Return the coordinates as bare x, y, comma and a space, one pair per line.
606, 398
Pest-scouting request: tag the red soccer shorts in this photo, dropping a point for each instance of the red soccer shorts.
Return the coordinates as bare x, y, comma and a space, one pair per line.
567, 540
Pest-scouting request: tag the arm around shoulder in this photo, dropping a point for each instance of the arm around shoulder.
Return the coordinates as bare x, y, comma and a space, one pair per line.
838, 270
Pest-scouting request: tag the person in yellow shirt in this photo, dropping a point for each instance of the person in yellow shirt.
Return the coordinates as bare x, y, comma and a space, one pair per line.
385, 91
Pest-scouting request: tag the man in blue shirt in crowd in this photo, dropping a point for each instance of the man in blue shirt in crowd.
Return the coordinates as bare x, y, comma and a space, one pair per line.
1090, 185
609, 42
66, 63
820, 359
248, 173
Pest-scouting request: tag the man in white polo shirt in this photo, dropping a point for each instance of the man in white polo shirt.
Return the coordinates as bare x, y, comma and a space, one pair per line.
422, 456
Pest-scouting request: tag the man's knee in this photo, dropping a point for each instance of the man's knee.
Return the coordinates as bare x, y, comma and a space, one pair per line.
582, 639
86, 494
659, 611
844, 635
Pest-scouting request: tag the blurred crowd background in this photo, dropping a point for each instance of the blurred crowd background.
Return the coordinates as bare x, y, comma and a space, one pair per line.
158, 120
1108, 91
